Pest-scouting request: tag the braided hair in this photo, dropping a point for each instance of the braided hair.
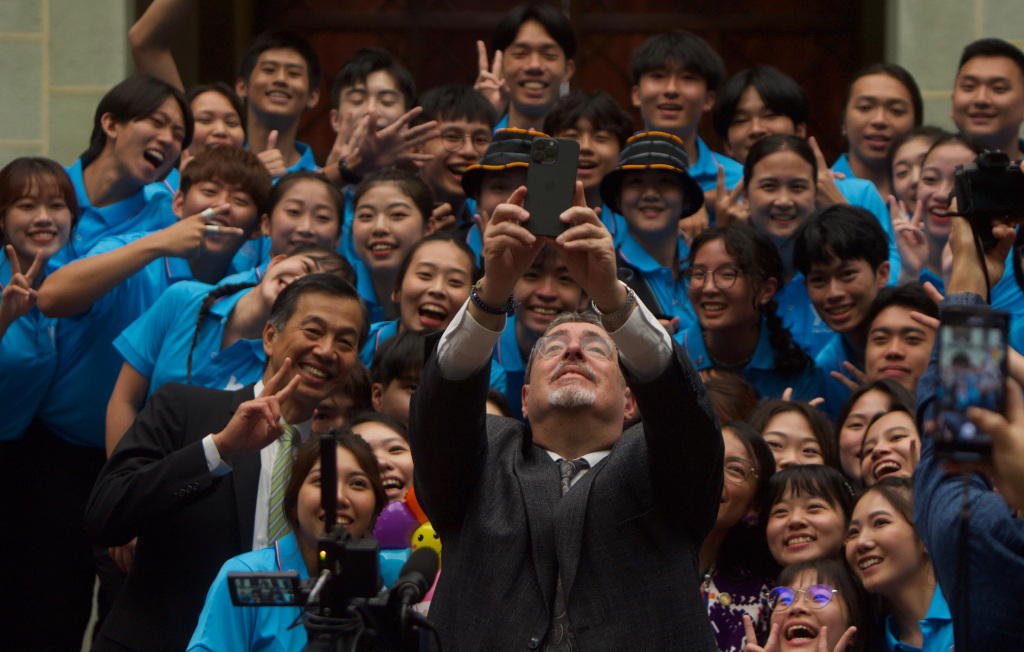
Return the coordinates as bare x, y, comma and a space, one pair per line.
757, 256
204, 311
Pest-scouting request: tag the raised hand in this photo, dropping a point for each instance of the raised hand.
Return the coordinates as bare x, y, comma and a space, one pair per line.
344, 143
769, 646
508, 249
828, 192
490, 81
910, 240
441, 218
859, 377
729, 208
967, 275
272, 158
256, 423
392, 145
18, 296
187, 238
587, 249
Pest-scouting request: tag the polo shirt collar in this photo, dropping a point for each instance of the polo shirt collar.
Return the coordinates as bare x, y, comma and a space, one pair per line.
223, 306
113, 214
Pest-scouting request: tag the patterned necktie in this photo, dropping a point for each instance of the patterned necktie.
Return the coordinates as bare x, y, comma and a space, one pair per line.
277, 524
560, 636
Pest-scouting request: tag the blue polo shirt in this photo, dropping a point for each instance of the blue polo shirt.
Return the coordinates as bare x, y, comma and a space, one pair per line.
253, 275
831, 358
28, 362
936, 629
506, 354
157, 344
75, 407
254, 253
169, 186
861, 192
382, 331
132, 215
760, 370
502, 124
798, 315
671, 293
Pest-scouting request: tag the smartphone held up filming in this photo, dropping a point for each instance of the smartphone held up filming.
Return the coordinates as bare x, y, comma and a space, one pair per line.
550, 183
972, 373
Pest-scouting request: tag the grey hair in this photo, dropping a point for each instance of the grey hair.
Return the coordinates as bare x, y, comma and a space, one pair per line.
586, 316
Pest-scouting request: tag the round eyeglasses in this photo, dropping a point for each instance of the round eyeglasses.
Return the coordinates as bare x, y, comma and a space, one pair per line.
452, 139
816, 597
738, 470
595, 346
723, 277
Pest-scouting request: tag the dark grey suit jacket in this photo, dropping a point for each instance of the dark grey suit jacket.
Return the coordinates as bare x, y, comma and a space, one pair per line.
157, 486
625, 540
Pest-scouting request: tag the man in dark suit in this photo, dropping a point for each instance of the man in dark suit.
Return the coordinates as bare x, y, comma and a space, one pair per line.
543, 550
191, 478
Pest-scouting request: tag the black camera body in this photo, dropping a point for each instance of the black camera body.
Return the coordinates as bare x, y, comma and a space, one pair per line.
992, 187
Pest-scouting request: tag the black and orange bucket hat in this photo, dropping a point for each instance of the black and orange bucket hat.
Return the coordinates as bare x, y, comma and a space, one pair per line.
653, 150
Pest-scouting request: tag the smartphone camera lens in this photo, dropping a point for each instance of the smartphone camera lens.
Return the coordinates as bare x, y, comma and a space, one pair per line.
551, 150
537, 155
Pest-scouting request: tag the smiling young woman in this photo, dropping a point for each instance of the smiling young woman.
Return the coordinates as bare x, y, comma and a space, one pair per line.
888, 557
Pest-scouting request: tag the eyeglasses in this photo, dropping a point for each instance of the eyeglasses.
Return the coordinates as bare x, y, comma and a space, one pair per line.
738, 470
724, 277
816, 597
452, 139
595, 346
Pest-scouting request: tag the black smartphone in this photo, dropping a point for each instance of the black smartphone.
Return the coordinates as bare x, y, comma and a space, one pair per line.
269, 589
972, 373
550, 183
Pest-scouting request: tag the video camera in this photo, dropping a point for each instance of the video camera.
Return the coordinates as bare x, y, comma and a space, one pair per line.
992, 187
344, 608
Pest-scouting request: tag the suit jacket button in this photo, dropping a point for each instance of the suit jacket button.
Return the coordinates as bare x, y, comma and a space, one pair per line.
533, 643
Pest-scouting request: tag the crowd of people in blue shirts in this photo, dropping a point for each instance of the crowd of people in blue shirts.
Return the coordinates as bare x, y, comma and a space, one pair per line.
806, 295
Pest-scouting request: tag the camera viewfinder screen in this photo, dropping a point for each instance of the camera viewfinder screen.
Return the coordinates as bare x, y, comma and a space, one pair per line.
971, 363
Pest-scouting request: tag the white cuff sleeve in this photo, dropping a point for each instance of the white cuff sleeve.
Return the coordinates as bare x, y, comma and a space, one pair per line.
645, 347
465, 347
217, 466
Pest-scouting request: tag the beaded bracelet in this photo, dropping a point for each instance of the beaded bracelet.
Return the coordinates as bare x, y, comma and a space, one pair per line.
507, 309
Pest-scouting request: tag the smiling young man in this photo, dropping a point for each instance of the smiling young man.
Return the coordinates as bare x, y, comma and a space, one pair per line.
762, 101
540, 511
601, 127
988, 95
652, 190
538, 45
466, 120
842, 254
194, 473
898, 347
279, 78
675, 76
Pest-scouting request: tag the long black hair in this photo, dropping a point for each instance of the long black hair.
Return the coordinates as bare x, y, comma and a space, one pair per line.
757, 256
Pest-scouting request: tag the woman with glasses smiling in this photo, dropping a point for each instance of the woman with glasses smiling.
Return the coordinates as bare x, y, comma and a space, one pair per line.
733, 274
816, 606
736, 565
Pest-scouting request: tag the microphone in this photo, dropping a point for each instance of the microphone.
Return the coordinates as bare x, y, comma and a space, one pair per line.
415, 579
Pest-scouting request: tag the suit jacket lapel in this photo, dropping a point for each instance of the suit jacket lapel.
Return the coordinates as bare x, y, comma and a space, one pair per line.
245, 474
538, 482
